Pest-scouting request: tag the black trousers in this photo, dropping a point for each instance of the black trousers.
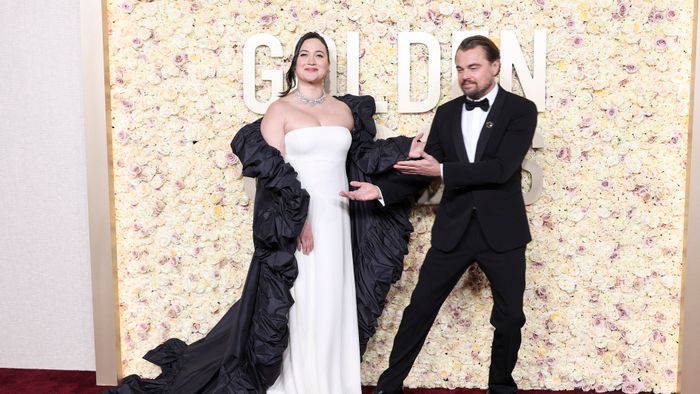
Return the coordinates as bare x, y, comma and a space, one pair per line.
438, 276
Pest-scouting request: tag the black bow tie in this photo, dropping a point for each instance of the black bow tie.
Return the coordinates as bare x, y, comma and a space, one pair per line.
470, 104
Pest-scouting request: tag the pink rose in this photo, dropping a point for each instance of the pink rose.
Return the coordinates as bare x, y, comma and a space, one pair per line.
622, 311
661, 43
655, 16
126, 7
541, 293
586, 122
122, 137
622, 9
174, 311
675, 138
598, 321
434, 17
231, 158
631, 387
658, 336
135, 171
174, 261
564, 154
547, 221
631, 68
611, 113
268, 19
180, 58
570, 23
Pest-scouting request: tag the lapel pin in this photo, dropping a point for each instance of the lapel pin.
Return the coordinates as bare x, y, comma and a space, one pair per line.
489, 125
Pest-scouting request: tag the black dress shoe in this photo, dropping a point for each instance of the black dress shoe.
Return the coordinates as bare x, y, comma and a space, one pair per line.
376, 391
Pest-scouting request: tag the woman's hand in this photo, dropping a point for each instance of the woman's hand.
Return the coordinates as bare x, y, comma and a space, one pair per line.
305, 242
417, 147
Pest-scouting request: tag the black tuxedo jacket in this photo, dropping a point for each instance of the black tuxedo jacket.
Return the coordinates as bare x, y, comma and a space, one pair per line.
491, 186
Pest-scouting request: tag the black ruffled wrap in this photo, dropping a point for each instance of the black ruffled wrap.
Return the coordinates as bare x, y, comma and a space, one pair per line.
243, 352
379, 234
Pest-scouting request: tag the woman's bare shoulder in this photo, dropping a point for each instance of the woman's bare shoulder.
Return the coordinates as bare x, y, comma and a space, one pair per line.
277, 110
279, 105
339, 103
342, 109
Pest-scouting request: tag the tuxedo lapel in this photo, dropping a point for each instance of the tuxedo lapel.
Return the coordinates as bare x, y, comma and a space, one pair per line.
457, 135
491, 123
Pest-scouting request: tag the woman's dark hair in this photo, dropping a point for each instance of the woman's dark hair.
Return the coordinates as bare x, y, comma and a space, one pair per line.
290, 77
492, 52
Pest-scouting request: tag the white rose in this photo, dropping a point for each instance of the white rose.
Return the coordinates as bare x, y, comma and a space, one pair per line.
567, 284
446, 9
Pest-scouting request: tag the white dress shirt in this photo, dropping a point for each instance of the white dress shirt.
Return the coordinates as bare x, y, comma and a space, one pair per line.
472, 123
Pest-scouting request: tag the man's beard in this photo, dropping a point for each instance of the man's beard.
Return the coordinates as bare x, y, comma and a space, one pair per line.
478, 94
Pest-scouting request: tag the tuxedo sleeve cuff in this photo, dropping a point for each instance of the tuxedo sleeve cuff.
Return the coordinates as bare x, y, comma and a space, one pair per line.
381, 196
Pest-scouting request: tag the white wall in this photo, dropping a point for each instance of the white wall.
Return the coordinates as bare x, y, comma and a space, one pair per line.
45, 292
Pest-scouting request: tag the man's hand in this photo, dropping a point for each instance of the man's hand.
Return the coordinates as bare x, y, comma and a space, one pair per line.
417, 146
305, 242
365, 192
427, 165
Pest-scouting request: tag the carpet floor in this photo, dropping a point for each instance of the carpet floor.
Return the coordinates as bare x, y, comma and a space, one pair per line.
41, 381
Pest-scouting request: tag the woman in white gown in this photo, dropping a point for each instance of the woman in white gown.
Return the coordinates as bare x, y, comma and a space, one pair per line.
312, 131
304, 317
323, 355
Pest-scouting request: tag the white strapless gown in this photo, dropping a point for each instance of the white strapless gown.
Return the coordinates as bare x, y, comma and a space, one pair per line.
323, 355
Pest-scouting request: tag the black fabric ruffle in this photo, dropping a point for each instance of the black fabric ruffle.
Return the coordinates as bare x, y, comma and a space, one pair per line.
243, 352
380, 234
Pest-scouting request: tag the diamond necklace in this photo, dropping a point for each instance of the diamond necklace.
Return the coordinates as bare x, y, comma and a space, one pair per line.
309, 101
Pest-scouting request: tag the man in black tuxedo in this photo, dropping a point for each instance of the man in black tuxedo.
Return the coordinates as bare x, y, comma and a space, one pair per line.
477, 143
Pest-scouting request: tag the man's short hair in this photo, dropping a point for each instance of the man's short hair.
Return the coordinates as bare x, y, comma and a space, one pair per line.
491, 50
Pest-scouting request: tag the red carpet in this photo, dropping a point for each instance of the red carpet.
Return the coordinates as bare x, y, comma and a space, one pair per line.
41, 381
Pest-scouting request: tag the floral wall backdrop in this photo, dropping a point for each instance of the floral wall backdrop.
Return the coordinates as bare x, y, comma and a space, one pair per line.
605, 266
